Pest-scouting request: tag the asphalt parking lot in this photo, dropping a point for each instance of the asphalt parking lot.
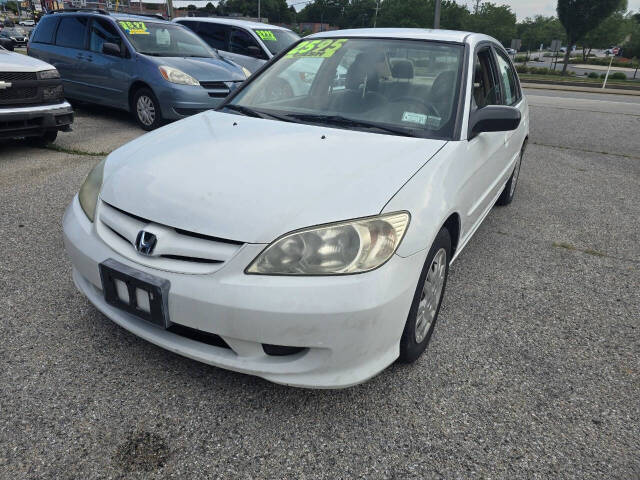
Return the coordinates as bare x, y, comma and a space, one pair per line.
533, 371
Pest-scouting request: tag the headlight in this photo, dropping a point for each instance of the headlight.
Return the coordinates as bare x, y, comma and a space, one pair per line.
174, 75
354, 246
48, 74
52, 93
246, 72
90, 189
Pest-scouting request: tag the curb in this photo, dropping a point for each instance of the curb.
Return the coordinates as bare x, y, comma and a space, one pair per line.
569, 88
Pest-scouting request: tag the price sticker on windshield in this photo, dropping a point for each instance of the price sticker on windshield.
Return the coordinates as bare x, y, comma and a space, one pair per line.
134, 28
317, 48
266, 35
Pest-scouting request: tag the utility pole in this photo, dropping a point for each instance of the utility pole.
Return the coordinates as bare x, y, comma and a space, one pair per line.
170, 9
259, 17
436, 18
477, 7
375, 18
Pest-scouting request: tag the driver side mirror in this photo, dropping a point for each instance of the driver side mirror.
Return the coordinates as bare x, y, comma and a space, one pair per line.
111, 49
494, 118
255, 51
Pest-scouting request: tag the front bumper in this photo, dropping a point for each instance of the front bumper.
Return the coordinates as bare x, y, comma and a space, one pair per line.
350, 326
34, 120
180, 101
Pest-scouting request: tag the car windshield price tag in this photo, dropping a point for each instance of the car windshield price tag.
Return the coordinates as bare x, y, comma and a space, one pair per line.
266, 35
134, 28
317, 48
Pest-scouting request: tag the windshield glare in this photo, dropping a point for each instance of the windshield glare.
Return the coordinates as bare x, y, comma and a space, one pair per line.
406, 84
276, 40
164, 40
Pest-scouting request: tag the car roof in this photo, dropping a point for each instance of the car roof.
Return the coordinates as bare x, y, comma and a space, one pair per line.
409, 34
115, 16
234, 22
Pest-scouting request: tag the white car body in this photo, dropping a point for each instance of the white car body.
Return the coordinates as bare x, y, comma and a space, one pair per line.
251, 180
27, 23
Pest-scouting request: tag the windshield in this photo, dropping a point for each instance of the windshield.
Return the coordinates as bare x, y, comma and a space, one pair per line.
404, 87
15, 31
164, 40
276, 40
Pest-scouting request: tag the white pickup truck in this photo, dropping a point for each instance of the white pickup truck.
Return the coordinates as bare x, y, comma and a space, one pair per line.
32, 100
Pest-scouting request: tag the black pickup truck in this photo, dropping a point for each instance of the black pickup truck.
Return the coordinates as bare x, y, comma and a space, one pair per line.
32, 100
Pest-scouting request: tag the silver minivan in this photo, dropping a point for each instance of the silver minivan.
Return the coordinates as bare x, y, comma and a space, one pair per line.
249, 44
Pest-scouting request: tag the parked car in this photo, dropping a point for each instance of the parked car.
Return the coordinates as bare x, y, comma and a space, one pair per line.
307, 240
17, 35
511, 51
249, 44
31, 99
155, 69
6, 43
27, 23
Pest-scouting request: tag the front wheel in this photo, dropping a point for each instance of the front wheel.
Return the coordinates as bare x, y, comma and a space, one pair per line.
427, 299
43, 140
146, 109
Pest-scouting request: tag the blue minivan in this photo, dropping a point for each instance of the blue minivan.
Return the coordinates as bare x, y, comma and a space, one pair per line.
155, 69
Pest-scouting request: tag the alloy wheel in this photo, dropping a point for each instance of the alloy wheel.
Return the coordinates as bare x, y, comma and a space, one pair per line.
146, 110
431, 293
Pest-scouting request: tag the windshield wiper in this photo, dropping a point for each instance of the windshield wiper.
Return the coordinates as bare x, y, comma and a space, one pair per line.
349, 122
250, 112
153, 54
257, 113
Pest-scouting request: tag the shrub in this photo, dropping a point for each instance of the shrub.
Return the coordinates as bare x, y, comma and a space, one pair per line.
593, 75
618, 76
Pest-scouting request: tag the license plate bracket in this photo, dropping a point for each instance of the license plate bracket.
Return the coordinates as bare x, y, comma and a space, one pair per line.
157, 289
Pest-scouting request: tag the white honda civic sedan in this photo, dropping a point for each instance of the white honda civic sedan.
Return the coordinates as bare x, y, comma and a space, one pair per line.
307, 239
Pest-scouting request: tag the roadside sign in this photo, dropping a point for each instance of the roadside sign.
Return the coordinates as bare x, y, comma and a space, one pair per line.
555, 45
515, 44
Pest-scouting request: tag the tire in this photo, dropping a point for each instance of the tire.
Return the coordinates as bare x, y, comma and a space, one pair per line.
146, 109
43, 140
422, 319
506, 197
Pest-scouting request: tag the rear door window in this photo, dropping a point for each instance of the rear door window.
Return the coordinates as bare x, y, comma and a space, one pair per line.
508, 81
72, 32
45, 30
243, 43
216, 35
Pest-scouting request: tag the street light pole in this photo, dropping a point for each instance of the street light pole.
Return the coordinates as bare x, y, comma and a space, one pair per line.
259, 17
436, 17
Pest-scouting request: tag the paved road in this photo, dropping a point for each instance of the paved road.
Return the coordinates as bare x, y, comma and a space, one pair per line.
533, 372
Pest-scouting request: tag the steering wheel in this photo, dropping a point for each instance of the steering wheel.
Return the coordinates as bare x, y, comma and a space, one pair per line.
427, 106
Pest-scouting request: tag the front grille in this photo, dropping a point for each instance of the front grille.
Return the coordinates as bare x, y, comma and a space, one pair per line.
18, 94
18, 76
217, 89
176, 250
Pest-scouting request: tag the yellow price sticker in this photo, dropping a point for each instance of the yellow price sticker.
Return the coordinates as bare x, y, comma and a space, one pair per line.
266, 35
134, 28
317, 48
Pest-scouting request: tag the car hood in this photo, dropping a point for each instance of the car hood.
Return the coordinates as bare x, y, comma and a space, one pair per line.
252, 180
203, 69
16, 62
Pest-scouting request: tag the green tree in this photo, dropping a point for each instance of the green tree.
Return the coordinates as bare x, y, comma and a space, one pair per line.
497, 21
579, 17
539, 30
276, 11
420, 14
612, 31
